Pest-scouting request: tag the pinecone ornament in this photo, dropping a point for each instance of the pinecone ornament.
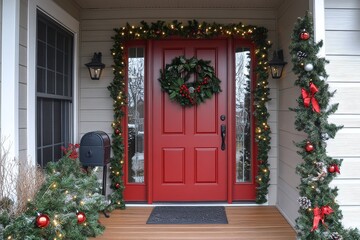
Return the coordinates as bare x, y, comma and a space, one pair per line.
335, 236
301, 55
304, 202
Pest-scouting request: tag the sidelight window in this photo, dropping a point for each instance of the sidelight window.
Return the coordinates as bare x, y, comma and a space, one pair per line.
136, 113
243, 115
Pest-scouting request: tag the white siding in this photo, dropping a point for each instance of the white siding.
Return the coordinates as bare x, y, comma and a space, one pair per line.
0, 58
96, 32
23, 80
342, 34
288, 180
70, 7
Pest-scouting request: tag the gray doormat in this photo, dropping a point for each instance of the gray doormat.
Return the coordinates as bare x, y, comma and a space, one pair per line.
188, 215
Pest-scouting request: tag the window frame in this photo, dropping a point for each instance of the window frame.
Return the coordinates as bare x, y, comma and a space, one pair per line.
60, 16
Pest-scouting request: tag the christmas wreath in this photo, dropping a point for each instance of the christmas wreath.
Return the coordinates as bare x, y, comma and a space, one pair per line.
175, 77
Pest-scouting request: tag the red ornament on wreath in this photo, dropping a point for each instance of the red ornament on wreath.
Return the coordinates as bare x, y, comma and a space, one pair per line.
304, 35
81, 218
117, 131
309, 147
42, 220
117, 185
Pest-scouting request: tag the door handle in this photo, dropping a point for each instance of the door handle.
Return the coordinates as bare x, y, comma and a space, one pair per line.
223, 136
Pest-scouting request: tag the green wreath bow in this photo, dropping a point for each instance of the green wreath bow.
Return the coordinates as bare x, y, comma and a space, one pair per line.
174, 80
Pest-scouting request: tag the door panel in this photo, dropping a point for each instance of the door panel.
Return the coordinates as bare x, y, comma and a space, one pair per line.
187, 161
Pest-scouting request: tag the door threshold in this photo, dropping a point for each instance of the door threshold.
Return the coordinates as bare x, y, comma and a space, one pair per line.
203, 204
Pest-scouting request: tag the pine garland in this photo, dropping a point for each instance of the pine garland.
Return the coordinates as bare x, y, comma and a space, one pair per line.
195, 30
67, 192
320, 216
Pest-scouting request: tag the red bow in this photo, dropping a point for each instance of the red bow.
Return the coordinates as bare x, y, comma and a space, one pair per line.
309, 97
319, 215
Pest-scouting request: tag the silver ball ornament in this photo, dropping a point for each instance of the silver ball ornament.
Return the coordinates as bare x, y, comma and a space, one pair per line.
309, 67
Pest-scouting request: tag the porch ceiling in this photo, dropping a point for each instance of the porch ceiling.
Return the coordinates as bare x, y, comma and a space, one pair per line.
111, 4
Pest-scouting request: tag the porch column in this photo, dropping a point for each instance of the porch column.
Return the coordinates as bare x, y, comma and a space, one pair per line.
10, 79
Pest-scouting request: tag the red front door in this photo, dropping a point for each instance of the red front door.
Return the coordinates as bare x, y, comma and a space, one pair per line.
187, 161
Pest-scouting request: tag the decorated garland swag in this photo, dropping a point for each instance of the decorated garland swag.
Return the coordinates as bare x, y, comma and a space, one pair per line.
196, 30
175, 80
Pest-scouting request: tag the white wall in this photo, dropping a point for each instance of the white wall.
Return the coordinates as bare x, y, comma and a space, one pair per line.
96, 112
342, 49
288, 180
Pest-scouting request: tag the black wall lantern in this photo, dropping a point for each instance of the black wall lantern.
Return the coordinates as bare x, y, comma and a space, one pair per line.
277, 64
95, 66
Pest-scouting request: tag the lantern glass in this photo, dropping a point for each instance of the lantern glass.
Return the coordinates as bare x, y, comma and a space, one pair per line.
277, 64
276, 71
95, 72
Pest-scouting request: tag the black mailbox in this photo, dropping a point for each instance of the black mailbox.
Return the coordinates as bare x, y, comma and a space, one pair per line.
95, 149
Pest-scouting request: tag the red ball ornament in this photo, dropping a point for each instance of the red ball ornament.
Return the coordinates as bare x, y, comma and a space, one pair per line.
42, 220
332, 169
309, 147
304, 35
81, 218
117, 185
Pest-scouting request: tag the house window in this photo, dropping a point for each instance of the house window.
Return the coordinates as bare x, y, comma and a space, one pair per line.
53, 88
136, 112
243, 115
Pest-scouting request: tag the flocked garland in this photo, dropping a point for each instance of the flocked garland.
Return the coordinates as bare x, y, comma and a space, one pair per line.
174, 80
194, 29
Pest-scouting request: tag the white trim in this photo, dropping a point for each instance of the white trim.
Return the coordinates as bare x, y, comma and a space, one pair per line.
292, 223
318, 9
70, 23
10, 76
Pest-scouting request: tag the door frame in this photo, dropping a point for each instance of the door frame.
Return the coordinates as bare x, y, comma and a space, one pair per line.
146, 189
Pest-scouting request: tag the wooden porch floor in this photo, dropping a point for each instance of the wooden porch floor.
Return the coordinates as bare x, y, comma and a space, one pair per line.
250, 223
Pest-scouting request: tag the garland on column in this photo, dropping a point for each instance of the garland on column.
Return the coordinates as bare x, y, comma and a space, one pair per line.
320, 216
196, 30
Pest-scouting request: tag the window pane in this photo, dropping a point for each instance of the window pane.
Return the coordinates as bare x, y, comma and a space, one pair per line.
41, 80
47, 120
136, 113
59, 84
51, 35
50, 58
60, 42
57, 122
59, 61
243, 115
38, 123
50, 82
41, 31
47, 155
41, 54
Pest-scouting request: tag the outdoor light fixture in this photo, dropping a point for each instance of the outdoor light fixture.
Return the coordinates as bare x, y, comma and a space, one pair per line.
277, 64
95, 66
